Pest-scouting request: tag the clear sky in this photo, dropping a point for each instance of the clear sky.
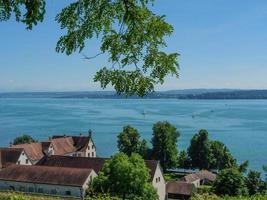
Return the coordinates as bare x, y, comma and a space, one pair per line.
223, 44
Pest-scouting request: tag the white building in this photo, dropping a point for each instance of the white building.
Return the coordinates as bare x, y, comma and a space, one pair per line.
58, 181
96, 164
13, 156
80, 146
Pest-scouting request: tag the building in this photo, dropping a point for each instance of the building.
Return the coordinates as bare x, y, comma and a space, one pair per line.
96, 164
179, 190
80, 146
203, 177
13, 156
46, 180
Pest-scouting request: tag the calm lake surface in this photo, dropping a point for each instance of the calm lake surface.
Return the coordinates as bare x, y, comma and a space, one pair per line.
240, 124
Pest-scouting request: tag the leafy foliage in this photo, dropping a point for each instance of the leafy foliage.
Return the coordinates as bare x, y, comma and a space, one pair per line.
164, 142
222, 158
214, 197
29, 12
199, 151
129, 142
254, 183
24, 139
126, 177
183, 160
131, 35
243, 167
265, 170
230, 182
206, 154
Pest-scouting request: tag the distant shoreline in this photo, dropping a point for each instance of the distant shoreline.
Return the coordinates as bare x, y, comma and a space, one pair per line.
198, 94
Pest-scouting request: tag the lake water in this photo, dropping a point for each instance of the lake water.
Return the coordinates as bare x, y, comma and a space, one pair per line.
240, 124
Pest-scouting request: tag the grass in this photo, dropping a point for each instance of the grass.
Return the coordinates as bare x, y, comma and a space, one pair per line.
214, 197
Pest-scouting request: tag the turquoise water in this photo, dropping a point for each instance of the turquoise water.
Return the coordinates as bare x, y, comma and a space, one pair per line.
240, 124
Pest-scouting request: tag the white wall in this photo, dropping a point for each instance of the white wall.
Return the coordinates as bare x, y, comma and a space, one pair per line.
90, 150
47, 189
23, 159
159, 183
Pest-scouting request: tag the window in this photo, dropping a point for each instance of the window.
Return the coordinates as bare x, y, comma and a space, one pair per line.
23, 153
27, 161
157, 179
68, 193
88, 147
88, 154
18, 162
93, 155
40, 190
22, 188
93, 147
53, 191
31, 189
12, 188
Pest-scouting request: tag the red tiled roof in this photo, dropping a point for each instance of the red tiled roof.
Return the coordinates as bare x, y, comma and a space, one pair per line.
205, 174
46, 175
179, 187
9, 156
61, 144
85, 162
201, 175
190, 178
33, 150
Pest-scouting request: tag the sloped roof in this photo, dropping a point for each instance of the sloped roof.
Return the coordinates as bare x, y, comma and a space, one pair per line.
73, 162
9, 156
179, 187
190, 178
201, 175
61, 144
205, 174
46, 175
33, 150
87, 162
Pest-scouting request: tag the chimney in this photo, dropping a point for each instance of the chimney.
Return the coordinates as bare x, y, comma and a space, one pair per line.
81, 134
10, 144
64, 135
0, 160
90, 133
49, 138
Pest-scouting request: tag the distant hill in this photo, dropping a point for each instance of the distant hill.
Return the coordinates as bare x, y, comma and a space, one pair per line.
172, 94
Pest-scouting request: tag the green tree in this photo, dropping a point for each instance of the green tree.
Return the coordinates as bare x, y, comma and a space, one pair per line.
132, 38
243, 167
222, 158
125, 177
230, 182
164, 144
129, 142
254, 182
200, 151
183, 160
265, 170
23, 139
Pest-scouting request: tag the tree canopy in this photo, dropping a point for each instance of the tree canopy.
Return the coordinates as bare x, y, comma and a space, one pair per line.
164, 144
207, 154
199, 151
129, 142
132, 37
230, 182
125, 177
23, 139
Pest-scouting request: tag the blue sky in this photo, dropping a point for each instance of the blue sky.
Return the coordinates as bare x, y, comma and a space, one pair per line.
223, 44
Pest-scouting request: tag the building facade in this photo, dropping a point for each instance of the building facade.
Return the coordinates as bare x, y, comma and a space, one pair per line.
46, 180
